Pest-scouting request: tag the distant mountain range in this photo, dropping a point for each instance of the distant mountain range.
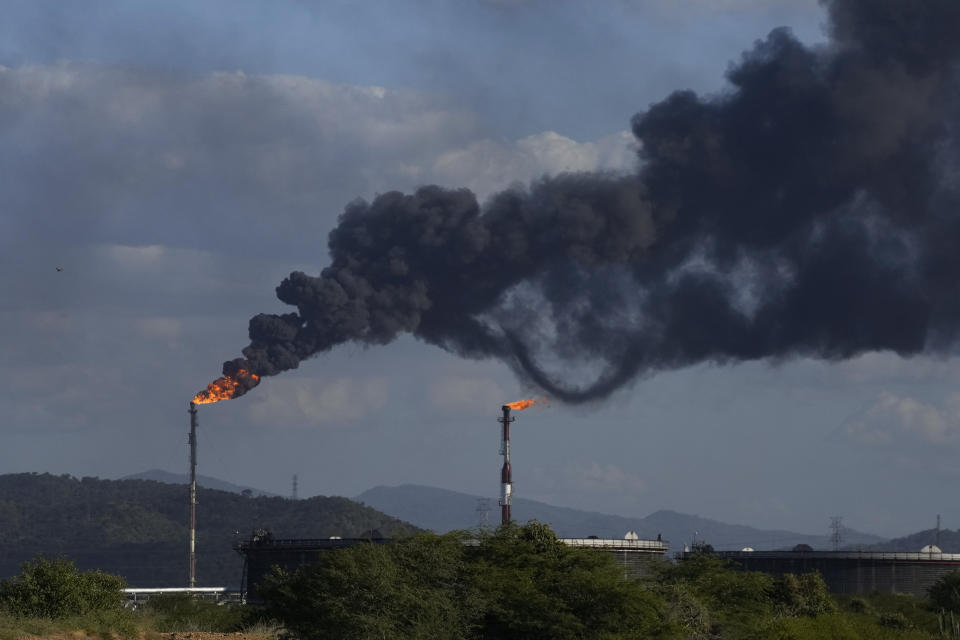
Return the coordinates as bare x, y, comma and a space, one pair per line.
139, 528
159, 475
442, 510
947, 540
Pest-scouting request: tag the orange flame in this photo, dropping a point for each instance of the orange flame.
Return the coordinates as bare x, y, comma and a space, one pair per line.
227, 387
520, 405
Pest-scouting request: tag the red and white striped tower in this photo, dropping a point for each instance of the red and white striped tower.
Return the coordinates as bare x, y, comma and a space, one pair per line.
506, 475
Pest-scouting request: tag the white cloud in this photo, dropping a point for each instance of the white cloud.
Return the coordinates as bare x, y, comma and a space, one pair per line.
179, 201
904, 422
884, 366
140, 257
319, 401
486, 166
238, 158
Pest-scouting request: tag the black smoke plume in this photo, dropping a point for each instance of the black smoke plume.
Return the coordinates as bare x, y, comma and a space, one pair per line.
811, 209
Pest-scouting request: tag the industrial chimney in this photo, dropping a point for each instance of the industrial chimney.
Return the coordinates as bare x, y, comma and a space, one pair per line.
506, 475
192, 557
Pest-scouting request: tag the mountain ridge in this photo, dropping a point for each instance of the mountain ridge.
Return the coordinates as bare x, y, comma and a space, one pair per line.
138, 529
207, 482
442, 510
946, 539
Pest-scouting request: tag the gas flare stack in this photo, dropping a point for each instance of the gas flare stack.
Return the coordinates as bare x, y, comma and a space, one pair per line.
192, 440
506, 475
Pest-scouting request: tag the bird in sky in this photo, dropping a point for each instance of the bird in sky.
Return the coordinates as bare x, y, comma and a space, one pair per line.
59, 269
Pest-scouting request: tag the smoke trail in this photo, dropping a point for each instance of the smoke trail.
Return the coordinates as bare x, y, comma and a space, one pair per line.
810, 209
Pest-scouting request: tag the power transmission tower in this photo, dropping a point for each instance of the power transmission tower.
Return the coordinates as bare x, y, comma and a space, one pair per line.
294, 494
836, 526
483, 513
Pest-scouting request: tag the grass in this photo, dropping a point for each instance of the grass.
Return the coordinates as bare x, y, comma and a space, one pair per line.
145, 624
184, 613
105, 624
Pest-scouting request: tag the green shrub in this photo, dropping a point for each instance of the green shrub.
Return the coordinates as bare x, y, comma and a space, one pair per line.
108, 624
859, 605
826, 627
894, 620
917, 612
411, 589
520, 582
803, 595
55, 589
183, 612
685, 612
945, 593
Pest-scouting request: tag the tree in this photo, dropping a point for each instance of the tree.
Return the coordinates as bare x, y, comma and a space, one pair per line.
534, 586
717, 600
803, 595
55, 589
415, 588
520, 582
945, 592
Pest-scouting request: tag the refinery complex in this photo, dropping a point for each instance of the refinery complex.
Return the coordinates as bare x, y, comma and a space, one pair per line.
843, 571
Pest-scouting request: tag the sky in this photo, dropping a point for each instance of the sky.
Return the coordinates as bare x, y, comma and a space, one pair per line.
177, 160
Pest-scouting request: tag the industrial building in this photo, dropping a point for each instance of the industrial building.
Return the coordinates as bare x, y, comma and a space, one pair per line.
632, 553
853, 572
263, 552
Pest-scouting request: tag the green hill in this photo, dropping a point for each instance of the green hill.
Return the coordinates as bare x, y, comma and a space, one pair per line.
207, 482
139, 528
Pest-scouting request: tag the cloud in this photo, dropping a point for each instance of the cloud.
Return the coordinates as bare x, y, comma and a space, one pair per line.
885, 366
249, 163
316, 402
606, 478
175, 202
138, 257
586, 482
59, 397
460, 394
160, 328
906, 423
486, 166
144, 157
131, 280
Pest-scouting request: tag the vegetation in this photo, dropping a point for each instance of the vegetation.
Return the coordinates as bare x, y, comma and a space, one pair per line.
55, 589
51, 597
517, 583
520, 582
182, 612
138, 528
945, 593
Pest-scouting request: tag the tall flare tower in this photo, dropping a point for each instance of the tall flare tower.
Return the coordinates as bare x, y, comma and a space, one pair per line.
506, 475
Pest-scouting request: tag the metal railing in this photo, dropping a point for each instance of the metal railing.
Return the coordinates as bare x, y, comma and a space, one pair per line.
659, 546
